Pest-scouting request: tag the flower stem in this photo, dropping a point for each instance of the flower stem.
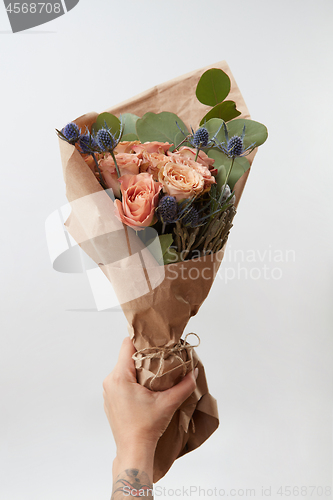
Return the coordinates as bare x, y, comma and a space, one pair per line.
184, 140
99, 171
115, 162
226, 179
196, 156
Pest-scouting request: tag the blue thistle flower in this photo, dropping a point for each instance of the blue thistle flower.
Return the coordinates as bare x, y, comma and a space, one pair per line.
201, 138
88, 144
167, 209
71, 133
191, 218
106, 140
235, 146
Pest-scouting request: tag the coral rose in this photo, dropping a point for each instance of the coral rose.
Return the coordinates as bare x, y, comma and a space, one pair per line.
140, 195
152, 147
180, 181
127, 163
125, 146
185, 159
152, 162
190, 153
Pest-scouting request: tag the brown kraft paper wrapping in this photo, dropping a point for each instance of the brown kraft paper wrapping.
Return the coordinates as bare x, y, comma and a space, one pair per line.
158, 301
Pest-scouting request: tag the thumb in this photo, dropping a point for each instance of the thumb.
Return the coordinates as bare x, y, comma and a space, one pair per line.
125, 364
177, 394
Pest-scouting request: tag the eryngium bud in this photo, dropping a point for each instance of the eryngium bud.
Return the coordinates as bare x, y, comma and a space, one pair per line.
191, 218
235, 146
201, 138
167, 209
72, 132
105, 140
88, 144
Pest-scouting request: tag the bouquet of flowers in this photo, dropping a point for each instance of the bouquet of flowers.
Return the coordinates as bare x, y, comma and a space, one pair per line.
153, 196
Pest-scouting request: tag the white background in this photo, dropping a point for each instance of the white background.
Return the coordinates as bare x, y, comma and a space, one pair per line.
266, 343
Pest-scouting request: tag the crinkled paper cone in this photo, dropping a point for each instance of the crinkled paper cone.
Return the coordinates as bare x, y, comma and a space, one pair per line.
158, 301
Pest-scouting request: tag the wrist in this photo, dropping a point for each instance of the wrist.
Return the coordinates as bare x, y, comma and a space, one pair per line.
136, 448
135, 455
136, 444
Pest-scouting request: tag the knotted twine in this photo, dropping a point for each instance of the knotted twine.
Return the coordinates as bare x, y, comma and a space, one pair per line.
163, 353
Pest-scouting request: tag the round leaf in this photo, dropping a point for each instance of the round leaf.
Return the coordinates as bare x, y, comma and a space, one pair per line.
225, 111
160, 127
213, 87
110, 120
213, 126
220, 178
255, 132
222, 163
129, 123
129, 137
159, 246
178, 139
241, 165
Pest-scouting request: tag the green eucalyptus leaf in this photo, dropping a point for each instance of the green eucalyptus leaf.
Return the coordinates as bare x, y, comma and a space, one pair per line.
220, 178
130, 137
213, 125
218, 156
160, 127
254, 131
166, 241
179, 138
111, 121
159, 246
129, 123
241, 165
225, 111
213, 87
222, 163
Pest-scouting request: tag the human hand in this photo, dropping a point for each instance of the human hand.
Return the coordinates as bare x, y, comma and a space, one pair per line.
138, 416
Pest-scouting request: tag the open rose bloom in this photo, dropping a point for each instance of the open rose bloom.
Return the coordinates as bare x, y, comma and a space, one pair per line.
158, 301
139, 200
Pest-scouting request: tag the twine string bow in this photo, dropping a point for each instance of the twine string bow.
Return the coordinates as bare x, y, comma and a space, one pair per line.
163, 353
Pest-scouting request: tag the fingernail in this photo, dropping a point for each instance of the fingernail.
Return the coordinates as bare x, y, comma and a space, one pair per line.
196, 373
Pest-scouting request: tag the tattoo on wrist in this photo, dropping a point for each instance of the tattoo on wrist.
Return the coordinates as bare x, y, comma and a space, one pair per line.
132, 483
